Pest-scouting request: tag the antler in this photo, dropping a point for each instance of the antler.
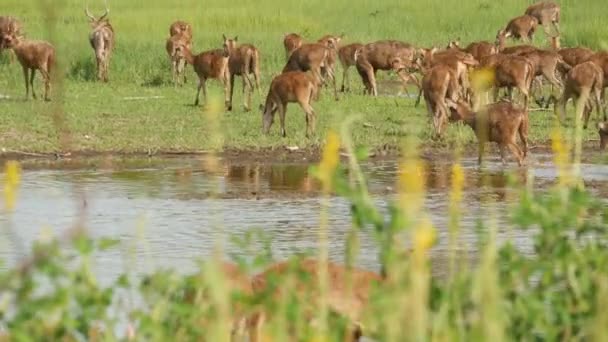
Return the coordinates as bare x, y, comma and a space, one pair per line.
86, 11
107, 11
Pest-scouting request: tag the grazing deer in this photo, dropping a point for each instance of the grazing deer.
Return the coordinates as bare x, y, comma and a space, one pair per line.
9, 26
576, 55
379, 56
346, 54
175, 46
290, 86
349, 291
603, 131
102, 40
313, 58
33, 55
521, 27
211, 64
584, 80
244, 60
546, 12
181, 28
291, 42
439, 83
499, 122
514, 71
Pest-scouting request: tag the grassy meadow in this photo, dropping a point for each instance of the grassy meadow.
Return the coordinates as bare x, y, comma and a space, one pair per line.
141, 111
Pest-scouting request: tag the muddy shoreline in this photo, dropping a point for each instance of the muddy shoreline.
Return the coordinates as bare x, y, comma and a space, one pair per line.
282, 154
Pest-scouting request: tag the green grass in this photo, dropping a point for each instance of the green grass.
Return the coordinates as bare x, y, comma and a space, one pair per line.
99, 118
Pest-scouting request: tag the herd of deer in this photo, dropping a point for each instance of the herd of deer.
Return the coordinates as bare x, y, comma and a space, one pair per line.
577, 72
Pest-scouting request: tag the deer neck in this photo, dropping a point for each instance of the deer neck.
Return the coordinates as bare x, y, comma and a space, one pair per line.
189, 56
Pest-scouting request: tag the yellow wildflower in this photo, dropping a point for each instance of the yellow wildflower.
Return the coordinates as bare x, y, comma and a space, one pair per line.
12, 178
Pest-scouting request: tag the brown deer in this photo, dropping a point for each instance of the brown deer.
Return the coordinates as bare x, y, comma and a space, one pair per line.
499, 122
584, 80
332, 42
9, 26
575, 55
346, 54
439, 83
521, 27
547, 13
290, 86
314, 58
291, 42
211, 64
548, 64
348, 292
102, 40
458, 61
378, 56
181, 28
601, 60
514, 71
33, 55
244, 60
478, 50
603, 131
175, 46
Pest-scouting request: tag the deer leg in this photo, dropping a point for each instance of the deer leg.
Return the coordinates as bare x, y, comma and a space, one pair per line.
174, 72
503, 154
332, 75
27, 82
227, 89
516, 152
310, 118
282, 109
32, 75
345, 79
47, 83
581, 104
201, 85
480, 151
229, 101
598, 102
247, 91
371, 74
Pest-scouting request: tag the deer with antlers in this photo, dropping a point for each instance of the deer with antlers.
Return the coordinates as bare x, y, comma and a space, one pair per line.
102, 40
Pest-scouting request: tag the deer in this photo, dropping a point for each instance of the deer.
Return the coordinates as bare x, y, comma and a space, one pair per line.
290, 86
603, 131
291, 42
181, 28
584, 80
547, 13
499, 122
244, 60
548, 64
332, 42
514, 71
521, 27
601, 60
349, 290
9, 26
211, 64
458, 61
175, 46
33, 55
102, 39
575, 55
439, 83
346, 54
378, 56
478, 50
312, 57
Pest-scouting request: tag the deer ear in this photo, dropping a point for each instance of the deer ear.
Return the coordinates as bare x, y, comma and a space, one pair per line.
433, 50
